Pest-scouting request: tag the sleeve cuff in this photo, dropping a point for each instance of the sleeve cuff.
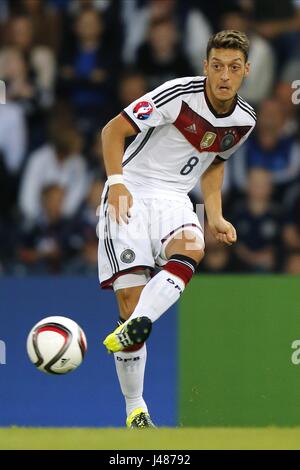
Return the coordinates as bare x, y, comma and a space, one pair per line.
131, 121
220, 159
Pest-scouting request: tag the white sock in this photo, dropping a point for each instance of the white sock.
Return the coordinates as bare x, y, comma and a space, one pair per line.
162, 291
130, 369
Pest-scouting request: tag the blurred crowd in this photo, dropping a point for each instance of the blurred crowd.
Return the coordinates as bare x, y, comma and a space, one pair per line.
71, 65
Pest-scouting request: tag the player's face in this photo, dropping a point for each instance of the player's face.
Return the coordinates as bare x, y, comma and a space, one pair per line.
225, 70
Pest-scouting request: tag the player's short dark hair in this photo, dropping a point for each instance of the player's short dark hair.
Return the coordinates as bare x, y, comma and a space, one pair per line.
229, 39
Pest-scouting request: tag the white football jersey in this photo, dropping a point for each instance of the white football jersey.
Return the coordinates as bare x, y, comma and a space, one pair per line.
179, 136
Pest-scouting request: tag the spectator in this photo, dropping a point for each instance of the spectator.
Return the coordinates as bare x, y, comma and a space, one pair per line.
291, 70
58, 162
85, 74
19, 80
52, 240
59, 5
45, 20
291, 229
39, 58
87, 258
94, 159
189, 19
4, 11
89, 211
160, 58
132, 85
30, 71
219, 259
279, 22
257, 221
292, 264
110, 13
12, 152
136, 18
284, 95
8, 240
269, 148
196, 33
77, 6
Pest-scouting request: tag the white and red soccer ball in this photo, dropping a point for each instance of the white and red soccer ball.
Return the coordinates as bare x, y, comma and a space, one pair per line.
56, 345
143, 110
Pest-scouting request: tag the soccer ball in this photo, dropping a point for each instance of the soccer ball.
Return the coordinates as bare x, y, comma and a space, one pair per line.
56, 345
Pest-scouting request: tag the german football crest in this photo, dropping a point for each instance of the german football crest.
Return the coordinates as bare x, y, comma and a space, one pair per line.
228, 140
127, 256
143, 110
208, 139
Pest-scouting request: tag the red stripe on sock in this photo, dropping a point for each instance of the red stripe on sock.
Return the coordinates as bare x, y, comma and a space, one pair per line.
180, 270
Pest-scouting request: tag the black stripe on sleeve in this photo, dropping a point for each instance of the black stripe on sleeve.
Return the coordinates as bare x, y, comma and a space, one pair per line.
131, 121
246, 111
191, 87
219, 159
179, 94
175, 88
246, 106
241, 100
140, 147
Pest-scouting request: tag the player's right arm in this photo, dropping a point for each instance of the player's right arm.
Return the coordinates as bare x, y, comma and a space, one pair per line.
113, 140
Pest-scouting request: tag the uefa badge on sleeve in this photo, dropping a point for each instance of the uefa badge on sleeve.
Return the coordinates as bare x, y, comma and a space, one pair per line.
143, 110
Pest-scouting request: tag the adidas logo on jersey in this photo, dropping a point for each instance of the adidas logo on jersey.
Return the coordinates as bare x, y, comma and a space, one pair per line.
192, 128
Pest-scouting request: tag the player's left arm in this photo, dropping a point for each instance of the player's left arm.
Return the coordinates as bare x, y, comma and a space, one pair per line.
211, 184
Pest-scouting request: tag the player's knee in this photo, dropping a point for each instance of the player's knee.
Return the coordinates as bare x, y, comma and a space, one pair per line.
127, 302
188, 245
197, 255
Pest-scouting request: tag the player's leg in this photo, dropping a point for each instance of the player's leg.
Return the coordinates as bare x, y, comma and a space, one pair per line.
164, 289
183, 255
120, 252
150, 300
180, 246
130, 363
125, 250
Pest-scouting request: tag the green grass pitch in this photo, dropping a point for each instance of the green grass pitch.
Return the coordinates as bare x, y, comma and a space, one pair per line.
155, 439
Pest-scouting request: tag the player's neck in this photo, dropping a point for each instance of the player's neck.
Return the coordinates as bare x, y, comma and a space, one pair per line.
220, 107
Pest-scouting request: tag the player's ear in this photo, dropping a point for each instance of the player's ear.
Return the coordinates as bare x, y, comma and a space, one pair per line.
247, 69
205, 67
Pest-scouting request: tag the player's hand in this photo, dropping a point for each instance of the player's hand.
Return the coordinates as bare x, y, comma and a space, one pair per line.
119, 203
223, 231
